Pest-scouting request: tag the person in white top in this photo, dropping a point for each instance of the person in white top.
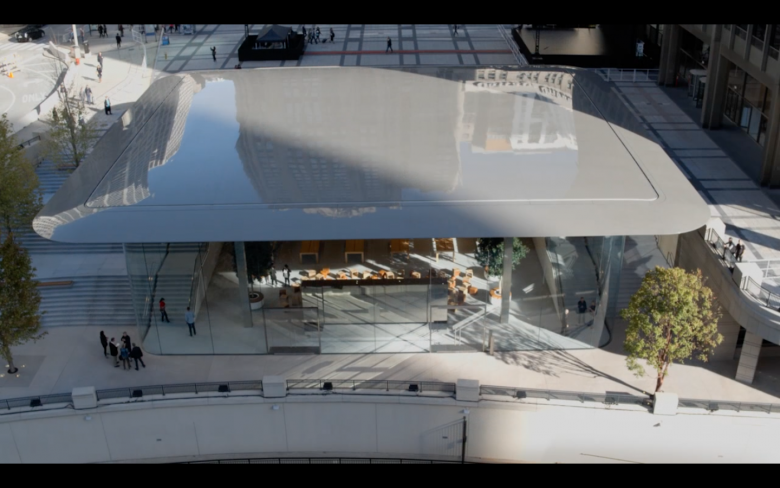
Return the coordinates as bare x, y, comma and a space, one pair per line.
189, 317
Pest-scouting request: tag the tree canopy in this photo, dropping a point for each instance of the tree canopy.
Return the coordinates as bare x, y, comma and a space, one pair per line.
20, 199
490, 254
671, 318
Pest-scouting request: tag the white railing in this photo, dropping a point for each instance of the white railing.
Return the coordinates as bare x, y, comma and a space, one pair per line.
769, 267
512, 45
632, 75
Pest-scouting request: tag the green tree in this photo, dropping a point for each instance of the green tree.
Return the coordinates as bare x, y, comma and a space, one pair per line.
671, 318
19, 196
490, 254
71, 136
20, 320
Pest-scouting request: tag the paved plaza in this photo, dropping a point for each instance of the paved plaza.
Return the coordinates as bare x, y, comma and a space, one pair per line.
354, 45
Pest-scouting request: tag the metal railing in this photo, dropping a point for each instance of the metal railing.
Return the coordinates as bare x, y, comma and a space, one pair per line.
324, 461
607, 398
714, 240
770, 268
512, 45
29, 142
633, 75
376, 385
767, 297
396, 386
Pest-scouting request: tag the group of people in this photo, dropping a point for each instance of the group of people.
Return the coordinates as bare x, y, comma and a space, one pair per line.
271, 278
737, 250
124, 351
313, 36
583, 310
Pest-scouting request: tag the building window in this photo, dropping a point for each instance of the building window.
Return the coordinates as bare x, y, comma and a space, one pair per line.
747, 104
759, 33
774, 41
742, 30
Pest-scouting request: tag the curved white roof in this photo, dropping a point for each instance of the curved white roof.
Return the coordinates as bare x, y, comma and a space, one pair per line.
351, 153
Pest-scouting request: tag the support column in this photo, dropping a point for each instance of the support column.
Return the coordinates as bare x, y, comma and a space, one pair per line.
667, 68
243, 282
717, 83
506, 280
729, 329
748, 360
770, 159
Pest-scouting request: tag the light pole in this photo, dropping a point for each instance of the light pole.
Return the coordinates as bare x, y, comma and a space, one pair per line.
75, 42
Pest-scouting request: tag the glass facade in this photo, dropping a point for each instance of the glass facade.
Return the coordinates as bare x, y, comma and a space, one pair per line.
747, 103
425, 299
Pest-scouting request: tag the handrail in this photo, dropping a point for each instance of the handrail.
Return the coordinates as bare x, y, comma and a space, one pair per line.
607, 74
719, 247
154, 289
29, 142
769, 298
512, 45
137, 393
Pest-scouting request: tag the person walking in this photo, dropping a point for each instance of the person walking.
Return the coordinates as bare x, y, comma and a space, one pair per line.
126, 341
100, 74
389, 45
214, 52
189, 317
739, 250
455, 26
107, 106
124, 354
88, 93
82, 95
332, 35
136, 354
100, 59
114, 351
81, 34
303, 28
582, 307
121, 30
592, 310
118, 41
286, 275
272, 272
100, 31
163, 313
317, 36
104, 343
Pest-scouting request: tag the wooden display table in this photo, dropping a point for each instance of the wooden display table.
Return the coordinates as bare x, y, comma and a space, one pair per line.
416, 275
445, 245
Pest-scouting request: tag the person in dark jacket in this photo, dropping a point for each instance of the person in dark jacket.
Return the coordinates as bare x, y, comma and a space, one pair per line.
582, 307
114, 351
136, 354
124, 354
126, 341
104, 343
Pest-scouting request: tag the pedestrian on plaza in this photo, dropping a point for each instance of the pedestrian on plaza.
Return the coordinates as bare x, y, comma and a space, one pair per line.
163, 313
81, 34
126, 341
303, 27
332, 35
136, 354
100, 59
456, 28
100, 31
189, 317
592, 311
739, 250
389, 45
582, 307
729, 246
114, 351
317, 36
272, 272
121, 30
286, 275
104, 343
88, 93
177, 27
107, 105
100, 74
124, 355
118, 41
214, 52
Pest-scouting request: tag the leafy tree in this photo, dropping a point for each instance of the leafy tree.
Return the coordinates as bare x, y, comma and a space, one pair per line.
671, 318
19, 196
259, 258
20, 320
490, 254
71, 136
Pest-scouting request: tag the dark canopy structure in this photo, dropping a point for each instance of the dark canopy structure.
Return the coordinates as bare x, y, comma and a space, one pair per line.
273, 33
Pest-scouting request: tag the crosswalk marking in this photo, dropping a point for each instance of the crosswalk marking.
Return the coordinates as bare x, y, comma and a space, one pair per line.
22, 46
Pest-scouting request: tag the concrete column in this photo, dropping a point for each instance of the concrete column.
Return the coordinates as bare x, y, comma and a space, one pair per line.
506, 280
717, 83
243, 283
748, 360
667, 68
770, 163
729, 329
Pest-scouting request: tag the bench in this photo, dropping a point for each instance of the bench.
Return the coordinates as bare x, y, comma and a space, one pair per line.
54, 283
354, 247
310, 248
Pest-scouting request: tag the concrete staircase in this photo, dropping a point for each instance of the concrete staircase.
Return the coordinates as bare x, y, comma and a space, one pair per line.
91, 300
